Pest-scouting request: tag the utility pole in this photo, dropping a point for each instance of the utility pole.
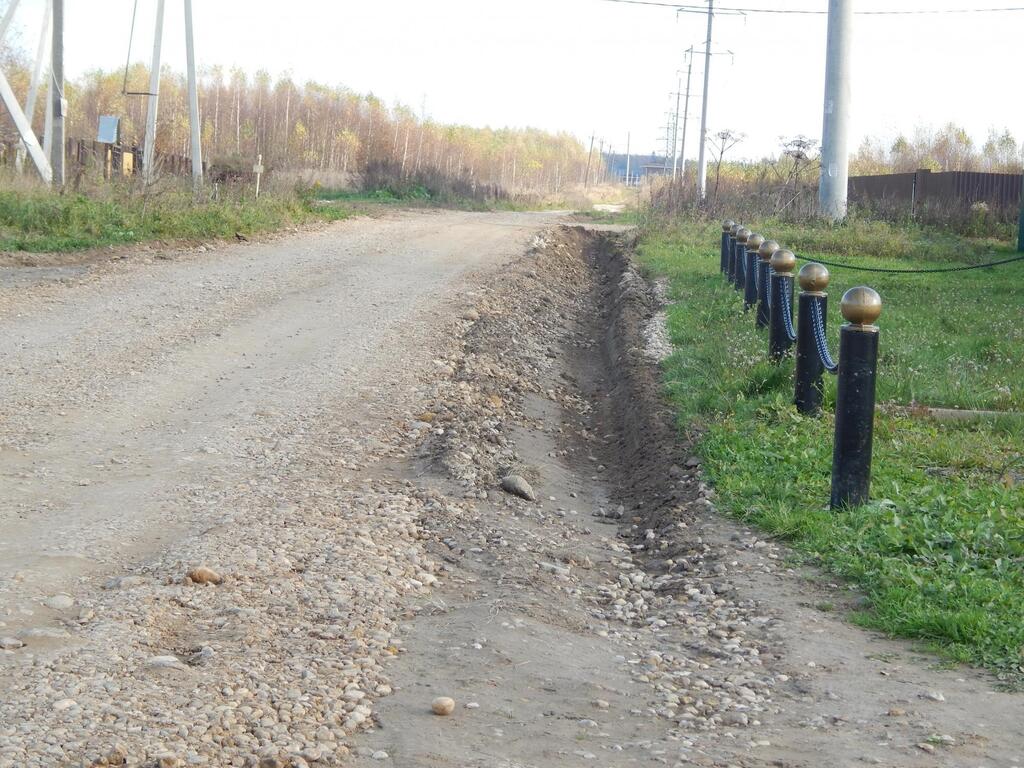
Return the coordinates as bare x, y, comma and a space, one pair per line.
193, 105
668, 139
149, 146
834, 158
627, 162
57, 94
702, 166
686, 113
675, 131
590, 155
1020, 221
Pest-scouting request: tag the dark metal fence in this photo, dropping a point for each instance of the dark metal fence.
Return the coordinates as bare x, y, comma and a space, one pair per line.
959, 189
764, 273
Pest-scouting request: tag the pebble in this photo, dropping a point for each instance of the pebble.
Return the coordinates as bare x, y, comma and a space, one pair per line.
60, 602
204, 575
442, 705
517, 486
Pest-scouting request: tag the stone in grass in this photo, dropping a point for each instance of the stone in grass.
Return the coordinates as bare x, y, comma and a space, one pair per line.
442, 705
517, 486
204, 575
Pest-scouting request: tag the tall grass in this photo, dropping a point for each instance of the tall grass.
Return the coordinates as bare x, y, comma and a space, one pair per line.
33, 219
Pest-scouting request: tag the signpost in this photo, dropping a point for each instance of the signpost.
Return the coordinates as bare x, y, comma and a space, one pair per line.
258, 170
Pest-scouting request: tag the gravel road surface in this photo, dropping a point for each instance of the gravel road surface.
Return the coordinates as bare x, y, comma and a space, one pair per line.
262, 504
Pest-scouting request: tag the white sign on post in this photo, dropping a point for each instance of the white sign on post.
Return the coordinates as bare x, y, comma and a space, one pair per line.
258, 170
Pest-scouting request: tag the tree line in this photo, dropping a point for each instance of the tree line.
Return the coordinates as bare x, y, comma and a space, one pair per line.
949, 148
310, 127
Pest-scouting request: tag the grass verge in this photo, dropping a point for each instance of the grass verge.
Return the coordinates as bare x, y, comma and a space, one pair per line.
940, 553
39, 221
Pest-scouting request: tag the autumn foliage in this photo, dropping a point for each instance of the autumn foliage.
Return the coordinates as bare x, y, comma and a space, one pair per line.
326, 133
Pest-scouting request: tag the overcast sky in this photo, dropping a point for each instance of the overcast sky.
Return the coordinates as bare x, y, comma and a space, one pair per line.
589, 65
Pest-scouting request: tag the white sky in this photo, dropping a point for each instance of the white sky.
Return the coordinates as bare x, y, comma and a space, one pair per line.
588, 65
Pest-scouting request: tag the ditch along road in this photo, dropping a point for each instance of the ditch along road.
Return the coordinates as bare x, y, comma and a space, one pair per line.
323, 422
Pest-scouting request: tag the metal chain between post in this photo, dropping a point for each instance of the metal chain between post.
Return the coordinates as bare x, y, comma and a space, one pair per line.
787, 316
818, 323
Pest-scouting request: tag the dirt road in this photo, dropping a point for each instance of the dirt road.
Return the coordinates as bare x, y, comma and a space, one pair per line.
127, 391
324, 423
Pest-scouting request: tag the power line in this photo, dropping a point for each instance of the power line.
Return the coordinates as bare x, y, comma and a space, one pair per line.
787, 11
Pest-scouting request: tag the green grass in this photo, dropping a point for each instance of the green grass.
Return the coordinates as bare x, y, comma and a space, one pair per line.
949, 339
40, 221
940, 552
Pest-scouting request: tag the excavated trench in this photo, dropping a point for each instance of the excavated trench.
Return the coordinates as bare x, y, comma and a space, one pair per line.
607, 614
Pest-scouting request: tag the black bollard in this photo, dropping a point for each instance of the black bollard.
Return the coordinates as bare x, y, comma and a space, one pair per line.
727, 226
753, 241
758, 292
747, 278
855, 397
809, 387
742, 233
730, 248
781, 286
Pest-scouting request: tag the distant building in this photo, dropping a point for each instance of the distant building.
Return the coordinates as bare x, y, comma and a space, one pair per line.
639, 166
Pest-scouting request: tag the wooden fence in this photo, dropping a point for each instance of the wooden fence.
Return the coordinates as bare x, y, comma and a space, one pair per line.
958, 189
112, 159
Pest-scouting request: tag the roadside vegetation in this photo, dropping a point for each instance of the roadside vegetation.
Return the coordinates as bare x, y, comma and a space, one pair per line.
37, 220
940, 549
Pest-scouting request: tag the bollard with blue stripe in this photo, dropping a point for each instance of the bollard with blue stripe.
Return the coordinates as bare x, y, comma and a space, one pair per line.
740, 275
780, 318
727, 228
855, 397
740, 248
753, 264
808, 385
763, 270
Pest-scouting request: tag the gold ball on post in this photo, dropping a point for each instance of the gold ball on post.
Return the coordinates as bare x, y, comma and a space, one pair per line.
727, 225
861, 305
754, 242
742, 234
783, 261
768, 247
733, 228
813, 277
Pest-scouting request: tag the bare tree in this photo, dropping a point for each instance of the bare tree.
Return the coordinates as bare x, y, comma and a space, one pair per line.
722, 142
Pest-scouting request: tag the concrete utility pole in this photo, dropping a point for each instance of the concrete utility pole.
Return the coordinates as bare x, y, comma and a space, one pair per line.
675, 131
590, 155
193, 105
835, 161
686, 114
668, 139
702, 165
57, 94
627, 161
1020, 221
149, 145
